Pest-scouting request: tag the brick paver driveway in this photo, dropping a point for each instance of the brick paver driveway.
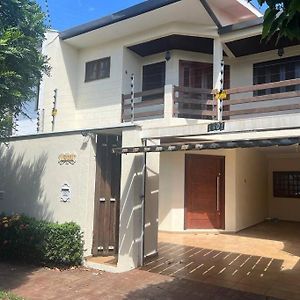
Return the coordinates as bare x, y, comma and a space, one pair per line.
33, 283
263, 259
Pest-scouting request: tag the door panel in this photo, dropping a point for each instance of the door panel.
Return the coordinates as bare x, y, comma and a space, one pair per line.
107, 196
204, 192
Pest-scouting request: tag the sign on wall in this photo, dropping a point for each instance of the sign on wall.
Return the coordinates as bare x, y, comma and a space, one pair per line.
67, 159
65, 193
219, 126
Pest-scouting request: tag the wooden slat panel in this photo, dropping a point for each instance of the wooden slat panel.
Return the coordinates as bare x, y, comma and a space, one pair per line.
115, 188
194, 101
268, 97
191, 90
146, 103
144, 115
263, 86
106, 219
184, 111
144, 93
262, 110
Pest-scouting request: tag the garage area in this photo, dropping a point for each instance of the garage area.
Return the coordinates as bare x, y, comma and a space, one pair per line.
258, 248
262, 259
228, 189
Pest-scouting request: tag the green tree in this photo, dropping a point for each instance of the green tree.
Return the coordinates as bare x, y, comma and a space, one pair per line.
22, 64
281, 19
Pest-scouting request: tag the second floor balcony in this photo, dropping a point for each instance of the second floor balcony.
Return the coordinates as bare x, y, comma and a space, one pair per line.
174, 102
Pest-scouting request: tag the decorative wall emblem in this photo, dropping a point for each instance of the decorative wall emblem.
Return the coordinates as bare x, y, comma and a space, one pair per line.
67, 159
65, 193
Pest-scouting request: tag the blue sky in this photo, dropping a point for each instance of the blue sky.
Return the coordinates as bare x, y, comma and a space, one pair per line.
68, 13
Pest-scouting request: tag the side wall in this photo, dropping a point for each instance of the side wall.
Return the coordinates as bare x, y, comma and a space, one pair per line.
32, 178
251, 188
283, 208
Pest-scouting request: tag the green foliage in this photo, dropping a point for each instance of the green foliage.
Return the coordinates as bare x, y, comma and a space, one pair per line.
9, 296
282, 18
22, 64
40, 242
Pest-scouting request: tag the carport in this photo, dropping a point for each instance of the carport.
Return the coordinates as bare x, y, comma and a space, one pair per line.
258, 245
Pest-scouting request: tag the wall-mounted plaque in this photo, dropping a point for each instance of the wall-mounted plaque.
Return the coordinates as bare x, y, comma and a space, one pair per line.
67, 159
65, 193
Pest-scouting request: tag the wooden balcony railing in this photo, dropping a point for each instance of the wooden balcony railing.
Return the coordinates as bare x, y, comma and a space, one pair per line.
276, 97
194, 103
145, 105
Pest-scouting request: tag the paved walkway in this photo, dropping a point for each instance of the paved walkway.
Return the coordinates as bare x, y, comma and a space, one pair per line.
264, 259
83, 284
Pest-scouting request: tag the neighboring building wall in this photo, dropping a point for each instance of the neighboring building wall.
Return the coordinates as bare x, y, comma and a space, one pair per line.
283, 208
251, 188
172, 187
32, 178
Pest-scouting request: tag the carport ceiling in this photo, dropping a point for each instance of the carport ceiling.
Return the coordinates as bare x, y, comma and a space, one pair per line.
174, 42
254, 45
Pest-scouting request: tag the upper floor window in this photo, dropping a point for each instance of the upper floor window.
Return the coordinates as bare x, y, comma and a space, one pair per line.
276, 70
97, 69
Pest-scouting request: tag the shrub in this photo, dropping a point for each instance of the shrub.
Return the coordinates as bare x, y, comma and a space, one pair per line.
9, 296
40, 242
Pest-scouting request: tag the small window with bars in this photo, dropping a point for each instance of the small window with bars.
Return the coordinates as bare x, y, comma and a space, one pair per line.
286, 184
97, 69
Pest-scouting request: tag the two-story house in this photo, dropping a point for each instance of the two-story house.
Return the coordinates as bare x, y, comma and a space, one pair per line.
167, 116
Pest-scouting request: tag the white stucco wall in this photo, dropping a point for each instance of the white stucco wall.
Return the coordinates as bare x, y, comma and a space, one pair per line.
245, 189
130, 233
31, 179
63, 61
99, 102
283, 208
251, 188
172, 187
151, 200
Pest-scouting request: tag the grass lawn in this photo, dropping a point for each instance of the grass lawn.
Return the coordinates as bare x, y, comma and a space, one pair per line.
8, 296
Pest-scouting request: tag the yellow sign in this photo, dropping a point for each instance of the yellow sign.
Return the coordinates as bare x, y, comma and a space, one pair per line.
222, 95
67, 158
54, 112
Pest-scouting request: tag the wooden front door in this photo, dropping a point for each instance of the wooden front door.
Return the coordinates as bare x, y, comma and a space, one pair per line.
204, 192
107, 196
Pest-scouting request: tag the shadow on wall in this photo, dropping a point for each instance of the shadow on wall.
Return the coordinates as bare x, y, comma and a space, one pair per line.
131, 212
21, 181
151, 212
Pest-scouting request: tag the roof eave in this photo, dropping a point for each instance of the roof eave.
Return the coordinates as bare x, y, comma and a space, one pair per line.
122, 15
241, 26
